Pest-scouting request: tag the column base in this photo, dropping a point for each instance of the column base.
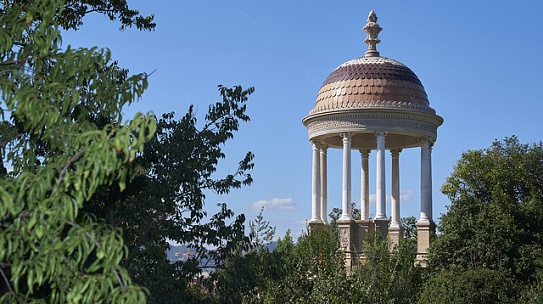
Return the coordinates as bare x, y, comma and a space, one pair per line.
345, 219
315, 225
425, 234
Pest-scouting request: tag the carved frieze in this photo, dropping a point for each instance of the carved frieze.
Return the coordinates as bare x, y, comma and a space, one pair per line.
411, 123
344, 238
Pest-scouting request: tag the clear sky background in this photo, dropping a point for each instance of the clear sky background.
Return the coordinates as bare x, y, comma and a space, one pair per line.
479, 61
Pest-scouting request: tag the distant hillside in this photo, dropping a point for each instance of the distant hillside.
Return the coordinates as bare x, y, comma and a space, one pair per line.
181, 253
176, 253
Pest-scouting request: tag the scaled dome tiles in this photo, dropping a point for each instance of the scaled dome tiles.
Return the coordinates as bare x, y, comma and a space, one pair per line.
372, 82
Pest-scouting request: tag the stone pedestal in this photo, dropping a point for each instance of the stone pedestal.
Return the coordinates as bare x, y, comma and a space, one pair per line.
346, 234
425, 235
363, 229
395, 233
316, 225
381, 226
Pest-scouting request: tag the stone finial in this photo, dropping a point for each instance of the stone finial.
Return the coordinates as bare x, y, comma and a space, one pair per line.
372, 29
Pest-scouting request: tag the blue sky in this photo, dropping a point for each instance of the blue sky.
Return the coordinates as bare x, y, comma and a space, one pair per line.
479, 61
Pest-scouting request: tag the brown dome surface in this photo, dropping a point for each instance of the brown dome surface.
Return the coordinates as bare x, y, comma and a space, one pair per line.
372, 82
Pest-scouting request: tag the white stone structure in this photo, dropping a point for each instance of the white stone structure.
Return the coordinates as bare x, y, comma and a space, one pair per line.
372, 103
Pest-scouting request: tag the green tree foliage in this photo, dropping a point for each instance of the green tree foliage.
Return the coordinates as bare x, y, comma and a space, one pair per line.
491, 232
313, 270
408, 223
50, 100
496, 211
247, 273
160, 192
473, 285
165, 201
387, 276
335, 214
70, 13
262, 232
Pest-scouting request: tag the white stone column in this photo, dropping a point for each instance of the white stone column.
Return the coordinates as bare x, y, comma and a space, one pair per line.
380, 208
365, 185
395, 200
324, 183
316, 185
426, 179
346, 193
425, 225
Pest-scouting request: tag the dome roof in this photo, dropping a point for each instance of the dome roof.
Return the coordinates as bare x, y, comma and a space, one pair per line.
372, 94
372, 82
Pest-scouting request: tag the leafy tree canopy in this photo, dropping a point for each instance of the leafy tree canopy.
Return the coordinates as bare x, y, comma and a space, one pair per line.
313, 271
69, 14
494, 220
51, 101
262, 232
165, 202
477, 285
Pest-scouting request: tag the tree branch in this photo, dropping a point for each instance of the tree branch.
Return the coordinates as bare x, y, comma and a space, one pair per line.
134, 250
63, 170
86, 232
119, 279
8, 284
95, 10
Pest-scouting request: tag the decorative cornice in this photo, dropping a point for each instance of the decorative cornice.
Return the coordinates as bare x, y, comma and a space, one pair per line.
379, 104
371, 118
331, 125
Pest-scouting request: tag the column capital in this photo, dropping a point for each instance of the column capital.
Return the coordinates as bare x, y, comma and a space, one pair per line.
345, 135
319, 144
323, 146
427, 139
380, 133
395, 152
365, 152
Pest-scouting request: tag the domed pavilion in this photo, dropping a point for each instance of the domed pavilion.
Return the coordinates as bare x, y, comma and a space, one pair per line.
372, 103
